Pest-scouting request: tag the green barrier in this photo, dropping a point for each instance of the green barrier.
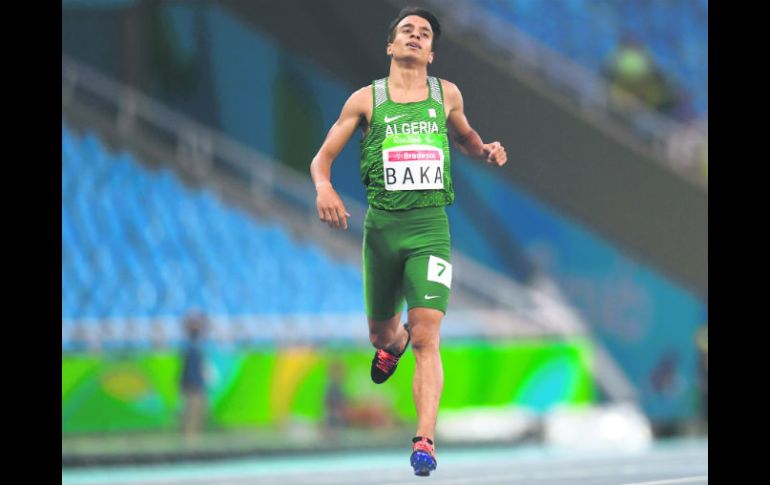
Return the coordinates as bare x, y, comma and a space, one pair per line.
262, 387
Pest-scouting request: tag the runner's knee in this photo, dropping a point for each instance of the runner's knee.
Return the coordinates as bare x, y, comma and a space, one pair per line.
380, 338
424, 324
425, 343
383, 333
425, 338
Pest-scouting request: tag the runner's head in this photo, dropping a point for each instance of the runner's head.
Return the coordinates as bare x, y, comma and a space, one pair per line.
413, 34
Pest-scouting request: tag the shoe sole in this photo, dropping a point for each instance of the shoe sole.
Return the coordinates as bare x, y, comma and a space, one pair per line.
422, 463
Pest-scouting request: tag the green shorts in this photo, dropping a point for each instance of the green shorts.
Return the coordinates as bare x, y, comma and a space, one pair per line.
406, 255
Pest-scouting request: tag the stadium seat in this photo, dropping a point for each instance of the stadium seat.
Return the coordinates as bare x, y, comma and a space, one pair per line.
138, 243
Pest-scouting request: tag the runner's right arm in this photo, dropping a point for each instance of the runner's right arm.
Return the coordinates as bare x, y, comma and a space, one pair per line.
330, 207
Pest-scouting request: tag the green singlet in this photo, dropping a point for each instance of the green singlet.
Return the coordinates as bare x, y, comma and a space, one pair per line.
405, 154
405, 168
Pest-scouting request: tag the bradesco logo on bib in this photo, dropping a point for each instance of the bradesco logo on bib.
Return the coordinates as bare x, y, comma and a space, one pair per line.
413, 162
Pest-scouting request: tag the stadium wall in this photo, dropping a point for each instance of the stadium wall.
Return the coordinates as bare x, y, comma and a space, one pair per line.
273, 386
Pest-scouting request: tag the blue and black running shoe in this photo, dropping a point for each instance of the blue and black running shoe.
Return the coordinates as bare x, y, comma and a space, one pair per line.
423, 458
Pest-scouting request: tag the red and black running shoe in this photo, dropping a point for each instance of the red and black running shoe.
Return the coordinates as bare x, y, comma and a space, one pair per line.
423, 458
384, 363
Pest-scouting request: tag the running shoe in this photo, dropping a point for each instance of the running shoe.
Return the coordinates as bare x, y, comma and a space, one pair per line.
423, 457
384, 363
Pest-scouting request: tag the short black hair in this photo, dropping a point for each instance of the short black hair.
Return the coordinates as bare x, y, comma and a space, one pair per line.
420, 12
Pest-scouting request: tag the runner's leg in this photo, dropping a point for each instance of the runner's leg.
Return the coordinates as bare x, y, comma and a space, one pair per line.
428, 380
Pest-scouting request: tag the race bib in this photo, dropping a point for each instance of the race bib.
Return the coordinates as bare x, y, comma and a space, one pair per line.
440, 271
413, 162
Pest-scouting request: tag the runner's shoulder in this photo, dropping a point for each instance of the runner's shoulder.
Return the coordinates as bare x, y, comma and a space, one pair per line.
362, 94
449, 87
446, 84
451, 93
361, 99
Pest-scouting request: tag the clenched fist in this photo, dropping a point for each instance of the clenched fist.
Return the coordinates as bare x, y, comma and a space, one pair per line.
495, 153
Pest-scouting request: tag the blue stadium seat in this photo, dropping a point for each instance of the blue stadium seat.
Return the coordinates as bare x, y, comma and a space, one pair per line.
139, 243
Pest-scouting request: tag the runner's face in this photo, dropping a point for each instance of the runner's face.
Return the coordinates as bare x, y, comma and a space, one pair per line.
413, 40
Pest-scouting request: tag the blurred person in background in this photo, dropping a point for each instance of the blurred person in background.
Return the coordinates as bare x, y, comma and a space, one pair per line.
81, 339
405, 120
158, 338
335, 401
634, 77
667, 384
193, 382
343, 411
640, 90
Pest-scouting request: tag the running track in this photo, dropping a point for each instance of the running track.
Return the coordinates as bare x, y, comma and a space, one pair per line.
669, 463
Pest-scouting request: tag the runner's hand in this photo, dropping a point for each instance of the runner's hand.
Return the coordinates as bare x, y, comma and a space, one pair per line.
495, 153
331, 210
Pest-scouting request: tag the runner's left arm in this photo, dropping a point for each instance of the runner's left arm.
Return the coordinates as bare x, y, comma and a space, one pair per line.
464, 137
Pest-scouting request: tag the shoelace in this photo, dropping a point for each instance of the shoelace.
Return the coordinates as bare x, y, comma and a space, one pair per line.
423, 445
385, 360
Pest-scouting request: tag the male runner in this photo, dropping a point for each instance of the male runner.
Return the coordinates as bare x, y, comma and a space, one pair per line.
405, 119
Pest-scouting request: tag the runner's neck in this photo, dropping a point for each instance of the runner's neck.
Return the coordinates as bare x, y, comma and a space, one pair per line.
407, 79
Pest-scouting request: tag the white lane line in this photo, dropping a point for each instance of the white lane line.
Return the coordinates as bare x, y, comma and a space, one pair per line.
698, 479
